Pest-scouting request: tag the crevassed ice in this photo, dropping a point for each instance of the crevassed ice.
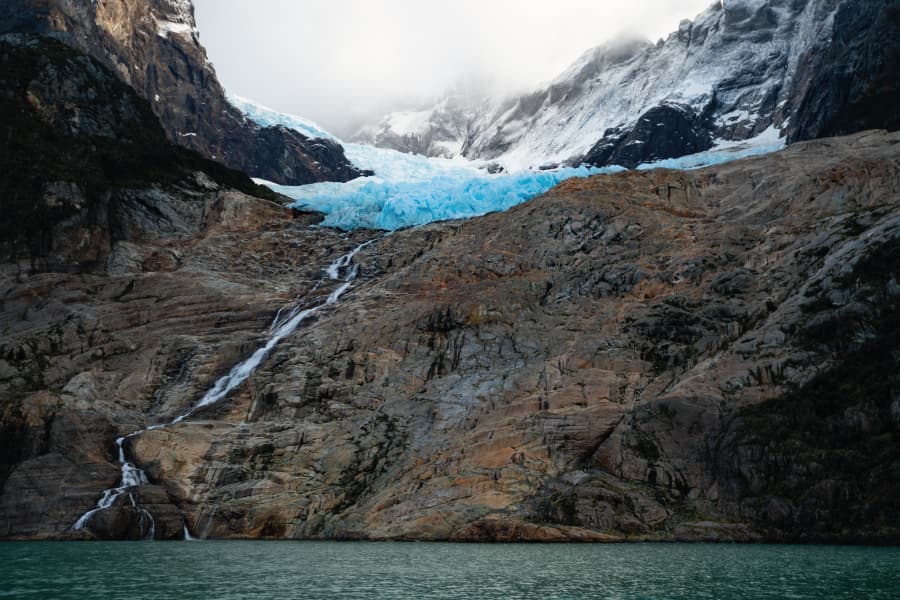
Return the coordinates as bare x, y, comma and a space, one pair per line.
410, 189
379, 203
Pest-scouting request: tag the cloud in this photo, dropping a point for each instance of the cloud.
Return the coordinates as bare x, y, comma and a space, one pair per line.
344, 62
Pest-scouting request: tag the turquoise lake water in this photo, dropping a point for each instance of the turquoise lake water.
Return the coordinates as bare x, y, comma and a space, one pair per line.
311, 570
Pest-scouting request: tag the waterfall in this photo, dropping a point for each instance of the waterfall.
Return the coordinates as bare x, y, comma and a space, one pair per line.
343, 269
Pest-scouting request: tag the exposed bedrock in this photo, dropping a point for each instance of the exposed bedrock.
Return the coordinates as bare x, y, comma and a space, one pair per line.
645, 355
666, 131
154, 46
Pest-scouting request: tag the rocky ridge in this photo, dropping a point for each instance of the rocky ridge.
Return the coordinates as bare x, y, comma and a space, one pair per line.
801, 68
154, 46
78, 143
645, 355
96, 196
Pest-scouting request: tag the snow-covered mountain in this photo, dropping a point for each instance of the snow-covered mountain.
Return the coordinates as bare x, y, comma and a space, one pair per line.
438, 131
742, 69
410, 189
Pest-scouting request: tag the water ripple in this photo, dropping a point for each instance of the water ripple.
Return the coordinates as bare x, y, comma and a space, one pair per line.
400, 571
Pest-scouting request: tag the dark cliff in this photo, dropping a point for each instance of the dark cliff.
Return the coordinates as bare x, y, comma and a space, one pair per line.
153, 45
665, 131
78, 143
92, 188
854, 82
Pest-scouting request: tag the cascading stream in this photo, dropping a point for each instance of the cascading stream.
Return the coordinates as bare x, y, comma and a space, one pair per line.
133, 476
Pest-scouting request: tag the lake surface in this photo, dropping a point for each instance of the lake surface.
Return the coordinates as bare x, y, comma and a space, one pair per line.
311, 570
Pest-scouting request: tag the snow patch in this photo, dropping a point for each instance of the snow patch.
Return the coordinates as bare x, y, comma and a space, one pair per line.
165, 28
724, 151
267, 117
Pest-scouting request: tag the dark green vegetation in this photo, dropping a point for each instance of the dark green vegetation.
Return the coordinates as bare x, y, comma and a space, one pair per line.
70, 134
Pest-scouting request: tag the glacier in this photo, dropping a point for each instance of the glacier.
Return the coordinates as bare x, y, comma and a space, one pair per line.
722, 152
454, 193
411, 189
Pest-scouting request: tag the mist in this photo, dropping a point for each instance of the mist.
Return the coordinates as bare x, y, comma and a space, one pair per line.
343, 63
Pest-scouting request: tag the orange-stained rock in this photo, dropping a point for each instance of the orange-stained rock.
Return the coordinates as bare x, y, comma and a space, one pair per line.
615, 360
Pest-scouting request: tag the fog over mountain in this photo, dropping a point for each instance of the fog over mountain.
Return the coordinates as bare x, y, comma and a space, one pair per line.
345, 62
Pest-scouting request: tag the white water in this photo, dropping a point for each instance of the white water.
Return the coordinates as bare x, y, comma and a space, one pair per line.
133, 476
241, 371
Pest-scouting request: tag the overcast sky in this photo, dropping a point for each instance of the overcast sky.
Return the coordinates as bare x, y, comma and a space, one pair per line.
343, 62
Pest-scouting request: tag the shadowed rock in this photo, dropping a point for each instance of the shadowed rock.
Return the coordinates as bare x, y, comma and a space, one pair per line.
154, 46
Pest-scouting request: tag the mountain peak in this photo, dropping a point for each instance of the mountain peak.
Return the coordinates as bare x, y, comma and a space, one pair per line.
738, 70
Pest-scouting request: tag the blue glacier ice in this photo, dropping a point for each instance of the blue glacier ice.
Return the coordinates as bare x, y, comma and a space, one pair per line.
410, 189
377, 203
768, 141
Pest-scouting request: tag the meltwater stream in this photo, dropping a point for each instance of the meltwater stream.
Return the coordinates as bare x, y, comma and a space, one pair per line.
133, 476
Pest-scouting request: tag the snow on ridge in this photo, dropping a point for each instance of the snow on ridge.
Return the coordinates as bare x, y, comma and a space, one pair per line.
164, 28
411, 189
722, 61
268, 117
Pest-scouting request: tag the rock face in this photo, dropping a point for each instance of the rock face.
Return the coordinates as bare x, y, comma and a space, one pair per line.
81, 146
662, 132
153, 45
646, 355
853, 84
807, 68
96, 196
